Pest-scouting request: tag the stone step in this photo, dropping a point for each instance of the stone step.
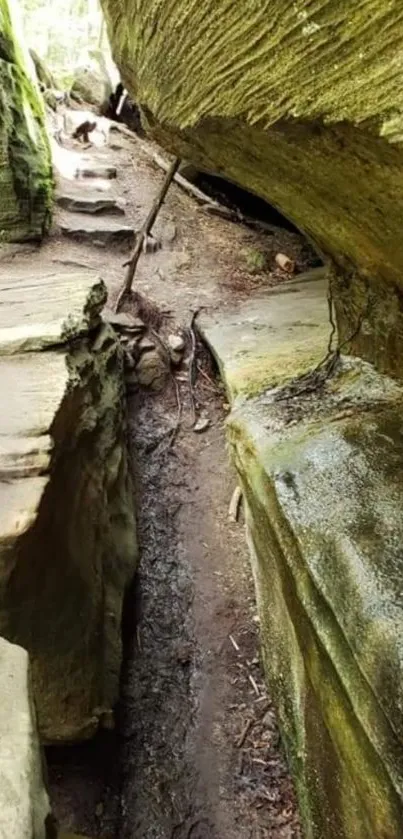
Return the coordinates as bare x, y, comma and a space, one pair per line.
96, 170
100, 231
90, 203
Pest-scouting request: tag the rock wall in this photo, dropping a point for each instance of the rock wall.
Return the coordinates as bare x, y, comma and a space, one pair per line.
67, 528
25, 166
302, 104
24, 804
321, 468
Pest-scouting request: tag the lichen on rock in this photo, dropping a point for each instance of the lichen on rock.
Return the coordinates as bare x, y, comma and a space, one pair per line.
25, 165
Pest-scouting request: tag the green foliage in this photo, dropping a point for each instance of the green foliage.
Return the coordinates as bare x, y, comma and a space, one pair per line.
62, 31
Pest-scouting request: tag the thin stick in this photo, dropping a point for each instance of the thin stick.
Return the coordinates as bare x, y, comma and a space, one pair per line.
144, 231
192, 376
233, 511
247, 727
254, 685
234, 643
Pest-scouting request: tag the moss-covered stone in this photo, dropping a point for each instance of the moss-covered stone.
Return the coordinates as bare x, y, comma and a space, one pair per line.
300, 103
322, 477
25, 165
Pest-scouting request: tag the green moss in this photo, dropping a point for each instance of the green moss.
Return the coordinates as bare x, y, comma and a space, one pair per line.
25, 163
344, 752
255, 260
234, 94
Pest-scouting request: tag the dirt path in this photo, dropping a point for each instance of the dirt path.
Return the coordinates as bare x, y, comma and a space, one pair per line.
196, 752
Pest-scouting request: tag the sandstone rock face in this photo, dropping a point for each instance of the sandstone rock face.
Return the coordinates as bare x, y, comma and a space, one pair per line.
67, 530
92, 86
24, 804
302, 104
321, 467
25, 167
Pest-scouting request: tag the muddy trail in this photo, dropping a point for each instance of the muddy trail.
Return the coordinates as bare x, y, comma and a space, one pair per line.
196, 750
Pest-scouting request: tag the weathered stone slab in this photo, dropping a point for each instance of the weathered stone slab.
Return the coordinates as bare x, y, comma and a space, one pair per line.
24, 804
322, 476
103, 231
44, 310
272, 337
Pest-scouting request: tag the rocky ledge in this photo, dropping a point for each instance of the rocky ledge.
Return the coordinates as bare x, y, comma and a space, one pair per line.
320, 460
67, 528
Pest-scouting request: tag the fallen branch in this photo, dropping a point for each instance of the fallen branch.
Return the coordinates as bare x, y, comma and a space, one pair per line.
144, 232
185, 184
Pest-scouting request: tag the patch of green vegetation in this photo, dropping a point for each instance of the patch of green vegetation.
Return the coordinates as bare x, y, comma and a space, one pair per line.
256, 260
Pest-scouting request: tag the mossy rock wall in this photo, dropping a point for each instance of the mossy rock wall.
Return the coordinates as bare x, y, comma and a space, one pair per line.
300, 103
25, 164
323, 483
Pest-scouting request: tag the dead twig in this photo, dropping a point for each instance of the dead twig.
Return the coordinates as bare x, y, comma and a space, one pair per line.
244, 733
233, 511
144, 232
192, 376
177, 425
254, 685
234, 643
213, 387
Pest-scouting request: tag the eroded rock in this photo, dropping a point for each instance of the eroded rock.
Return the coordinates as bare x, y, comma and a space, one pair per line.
67, 529
152, 369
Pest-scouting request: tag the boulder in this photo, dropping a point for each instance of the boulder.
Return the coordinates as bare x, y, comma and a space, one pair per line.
25, 166
320, 460
92, 86
24, 804
301, 104
67, 528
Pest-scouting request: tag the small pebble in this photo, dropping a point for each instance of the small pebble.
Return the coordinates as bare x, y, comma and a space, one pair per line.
201, 425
